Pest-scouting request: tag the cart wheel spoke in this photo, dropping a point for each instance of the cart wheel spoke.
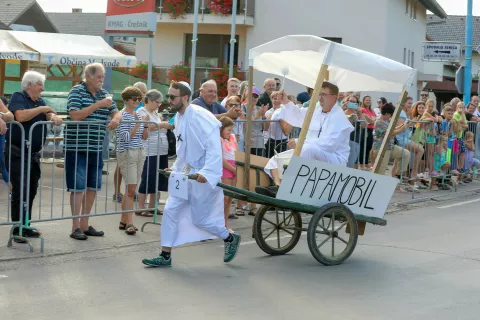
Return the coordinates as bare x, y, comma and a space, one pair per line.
273, 230
341, 239
273, 224
341, 226
287, 231
323, 242
333, 238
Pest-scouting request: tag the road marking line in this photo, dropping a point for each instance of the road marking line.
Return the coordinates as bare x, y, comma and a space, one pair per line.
458, 204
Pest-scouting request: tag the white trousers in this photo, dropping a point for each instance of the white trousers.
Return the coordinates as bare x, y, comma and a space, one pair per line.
310, 152
201, 217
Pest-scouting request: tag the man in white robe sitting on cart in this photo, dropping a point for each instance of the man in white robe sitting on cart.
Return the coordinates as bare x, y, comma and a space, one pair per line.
200, 216
327, 138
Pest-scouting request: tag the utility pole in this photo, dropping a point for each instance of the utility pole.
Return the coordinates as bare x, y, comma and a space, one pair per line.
468, 54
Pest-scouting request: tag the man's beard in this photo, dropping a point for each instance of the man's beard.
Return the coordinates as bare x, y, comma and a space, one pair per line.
176, 107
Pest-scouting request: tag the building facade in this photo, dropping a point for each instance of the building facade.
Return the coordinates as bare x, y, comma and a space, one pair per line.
391, 28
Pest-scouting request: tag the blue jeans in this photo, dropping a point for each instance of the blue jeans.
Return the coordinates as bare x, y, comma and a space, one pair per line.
2, 158
83, 170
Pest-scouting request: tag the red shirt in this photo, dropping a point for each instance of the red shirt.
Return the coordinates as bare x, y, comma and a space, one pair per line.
371, 114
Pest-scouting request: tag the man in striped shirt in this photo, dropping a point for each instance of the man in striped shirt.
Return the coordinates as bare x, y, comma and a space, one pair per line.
90, 107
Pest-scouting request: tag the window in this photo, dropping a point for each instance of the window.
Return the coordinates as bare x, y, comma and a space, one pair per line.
212, 50
412, 60
407, 2
408, 58
415, 11
404, 55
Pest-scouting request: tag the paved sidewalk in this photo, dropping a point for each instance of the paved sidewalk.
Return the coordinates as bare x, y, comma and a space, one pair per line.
53, 200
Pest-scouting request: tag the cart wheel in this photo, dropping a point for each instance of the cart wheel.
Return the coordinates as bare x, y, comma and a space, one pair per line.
327, 235
277, 231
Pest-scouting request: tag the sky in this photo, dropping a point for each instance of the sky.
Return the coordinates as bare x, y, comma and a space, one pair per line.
452, 7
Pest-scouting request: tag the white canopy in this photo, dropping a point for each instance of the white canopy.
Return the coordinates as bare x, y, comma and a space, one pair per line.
300, 57
70, 49
11, 48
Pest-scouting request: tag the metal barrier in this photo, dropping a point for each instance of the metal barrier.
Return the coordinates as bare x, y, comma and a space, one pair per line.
76, 157
8, 167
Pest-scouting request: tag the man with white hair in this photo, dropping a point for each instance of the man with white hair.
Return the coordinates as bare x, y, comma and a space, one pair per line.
208, 100
87, 103
143, 89
269, 85
28, 108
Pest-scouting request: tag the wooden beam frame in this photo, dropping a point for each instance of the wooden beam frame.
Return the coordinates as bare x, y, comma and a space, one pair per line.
248, 130
383, 154
322, 75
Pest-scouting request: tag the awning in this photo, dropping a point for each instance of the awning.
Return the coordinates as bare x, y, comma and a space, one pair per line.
11, 48
300, 57
70, 49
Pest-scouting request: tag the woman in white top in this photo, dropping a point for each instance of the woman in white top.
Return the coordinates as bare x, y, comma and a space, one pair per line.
156, 147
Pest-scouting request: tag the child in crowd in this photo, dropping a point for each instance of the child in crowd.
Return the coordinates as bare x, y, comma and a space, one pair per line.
441, 163
471, 163
459, 144
229, 146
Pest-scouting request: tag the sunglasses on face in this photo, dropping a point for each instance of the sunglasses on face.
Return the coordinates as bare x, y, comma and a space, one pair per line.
137, 99
234, 105
424, 95
171, 96
278, 84
255, 96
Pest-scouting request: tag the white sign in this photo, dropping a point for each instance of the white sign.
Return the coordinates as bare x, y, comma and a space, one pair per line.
317, 183
178, 185
442, 51
146, 21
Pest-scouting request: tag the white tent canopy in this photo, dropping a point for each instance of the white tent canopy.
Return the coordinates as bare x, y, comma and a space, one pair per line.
11, 48
68, 49
299, 58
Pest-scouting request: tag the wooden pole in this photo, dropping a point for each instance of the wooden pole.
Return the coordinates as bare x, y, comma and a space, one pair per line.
248, 129
311, 108
383, 154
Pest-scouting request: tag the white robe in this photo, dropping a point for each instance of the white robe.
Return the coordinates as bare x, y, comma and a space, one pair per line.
327, 138
199, 150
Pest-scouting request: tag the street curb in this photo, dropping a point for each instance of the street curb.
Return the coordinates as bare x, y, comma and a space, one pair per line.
440, 198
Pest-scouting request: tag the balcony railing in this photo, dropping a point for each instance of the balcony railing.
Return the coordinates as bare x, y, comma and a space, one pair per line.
244, 7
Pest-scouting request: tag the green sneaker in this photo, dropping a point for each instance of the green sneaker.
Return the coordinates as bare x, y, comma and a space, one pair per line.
231, 248
158, 262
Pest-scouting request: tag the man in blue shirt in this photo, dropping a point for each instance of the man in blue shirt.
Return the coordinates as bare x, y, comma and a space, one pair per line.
208, 100
28, 108
89, 104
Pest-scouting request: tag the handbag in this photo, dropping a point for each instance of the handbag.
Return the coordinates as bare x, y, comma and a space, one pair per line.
172, 143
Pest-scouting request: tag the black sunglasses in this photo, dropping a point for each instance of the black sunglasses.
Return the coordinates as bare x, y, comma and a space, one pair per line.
137, 99
255, 95
171, 96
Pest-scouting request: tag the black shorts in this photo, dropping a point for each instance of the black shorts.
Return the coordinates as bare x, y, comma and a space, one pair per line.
150, 172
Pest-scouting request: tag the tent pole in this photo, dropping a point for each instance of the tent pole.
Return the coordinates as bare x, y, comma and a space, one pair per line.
194, 45
150, 62
383, 154
322, 74
232, 38
2, 77
248, 129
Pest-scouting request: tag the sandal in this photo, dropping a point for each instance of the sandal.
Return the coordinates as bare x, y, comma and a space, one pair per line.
434, 188
239, 212
123, 226
252, 212
147, 214
130, 230
232, 216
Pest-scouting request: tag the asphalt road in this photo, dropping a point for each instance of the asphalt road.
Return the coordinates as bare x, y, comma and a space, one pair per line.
424, 265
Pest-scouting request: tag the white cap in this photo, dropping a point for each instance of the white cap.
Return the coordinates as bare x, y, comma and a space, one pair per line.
186, 85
